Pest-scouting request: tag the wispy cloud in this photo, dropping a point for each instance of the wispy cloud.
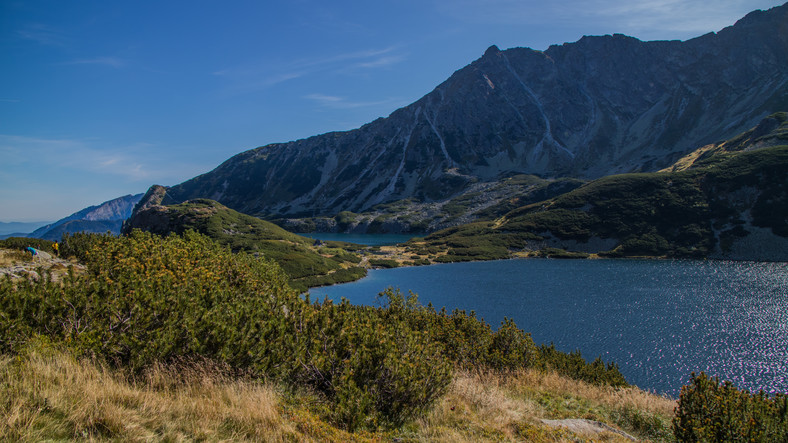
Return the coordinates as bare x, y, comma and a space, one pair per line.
83, 155
140, 162
684, 17
642, 18
49, 178
381, 62
113, 62
43, 34
337, 102
252, 77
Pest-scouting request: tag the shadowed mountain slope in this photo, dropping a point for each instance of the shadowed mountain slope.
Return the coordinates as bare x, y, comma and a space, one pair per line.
599, 106
731, 204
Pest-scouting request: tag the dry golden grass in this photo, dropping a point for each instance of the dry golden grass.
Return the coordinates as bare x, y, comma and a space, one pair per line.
47, 394
688, 160
11, 257
50, 395
632, 397
492, 407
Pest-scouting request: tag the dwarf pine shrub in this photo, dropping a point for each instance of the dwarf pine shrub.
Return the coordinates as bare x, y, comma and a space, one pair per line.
710, 411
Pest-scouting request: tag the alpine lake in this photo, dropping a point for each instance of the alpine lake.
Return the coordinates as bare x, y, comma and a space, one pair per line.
659, 320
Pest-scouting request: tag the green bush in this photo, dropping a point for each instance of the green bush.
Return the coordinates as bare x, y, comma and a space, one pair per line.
344, 219
343, 275
710, 411
378, 368
573, 365
560, 253
22, 243
383, 263
146, 298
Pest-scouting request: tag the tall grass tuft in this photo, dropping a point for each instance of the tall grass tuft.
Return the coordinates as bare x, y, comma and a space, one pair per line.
49, 394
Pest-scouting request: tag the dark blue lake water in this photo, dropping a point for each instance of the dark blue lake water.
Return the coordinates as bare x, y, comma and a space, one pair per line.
659, 320
362, 239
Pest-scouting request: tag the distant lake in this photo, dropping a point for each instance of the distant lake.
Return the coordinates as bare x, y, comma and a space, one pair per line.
659, 320
362, 239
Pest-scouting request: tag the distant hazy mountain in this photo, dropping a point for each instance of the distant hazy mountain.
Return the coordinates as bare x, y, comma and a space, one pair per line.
599, 106
108, 216
7, 228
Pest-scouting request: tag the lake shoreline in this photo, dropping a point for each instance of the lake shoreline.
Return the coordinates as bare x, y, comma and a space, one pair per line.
389, 256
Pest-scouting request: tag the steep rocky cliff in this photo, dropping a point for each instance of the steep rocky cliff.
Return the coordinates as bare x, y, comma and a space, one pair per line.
599, 106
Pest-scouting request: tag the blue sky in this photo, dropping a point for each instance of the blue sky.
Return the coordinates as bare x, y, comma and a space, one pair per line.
100, 99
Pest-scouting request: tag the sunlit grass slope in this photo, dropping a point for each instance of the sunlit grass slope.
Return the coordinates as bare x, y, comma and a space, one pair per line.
308, 264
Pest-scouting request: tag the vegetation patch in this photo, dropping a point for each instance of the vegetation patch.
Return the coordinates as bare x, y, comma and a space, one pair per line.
22, 243
383, 263
712, 411
560, 253
668, 214
304, 262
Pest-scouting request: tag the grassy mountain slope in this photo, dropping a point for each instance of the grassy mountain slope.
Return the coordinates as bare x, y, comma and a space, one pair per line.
771, 131
306, 263
709, 207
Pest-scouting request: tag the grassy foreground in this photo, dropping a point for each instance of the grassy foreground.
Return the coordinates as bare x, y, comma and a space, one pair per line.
51, 395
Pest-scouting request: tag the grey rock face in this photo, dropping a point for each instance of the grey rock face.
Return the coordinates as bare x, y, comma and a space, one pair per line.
599, 106
107, 216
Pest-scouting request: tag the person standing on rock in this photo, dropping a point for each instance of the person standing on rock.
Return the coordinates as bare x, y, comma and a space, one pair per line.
56, 248
32, 251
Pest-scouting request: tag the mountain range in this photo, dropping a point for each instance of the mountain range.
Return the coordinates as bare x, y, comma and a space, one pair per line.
15, 229
608, 145
107, 216
599, 106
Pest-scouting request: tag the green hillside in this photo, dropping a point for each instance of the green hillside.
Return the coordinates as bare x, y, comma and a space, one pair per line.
306, 263
697, 212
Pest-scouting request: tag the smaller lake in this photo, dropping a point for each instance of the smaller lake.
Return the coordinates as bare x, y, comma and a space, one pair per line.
659, 320
361, 239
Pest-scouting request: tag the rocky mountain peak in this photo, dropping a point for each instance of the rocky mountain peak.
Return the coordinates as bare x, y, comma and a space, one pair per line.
599, 106
492, 50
